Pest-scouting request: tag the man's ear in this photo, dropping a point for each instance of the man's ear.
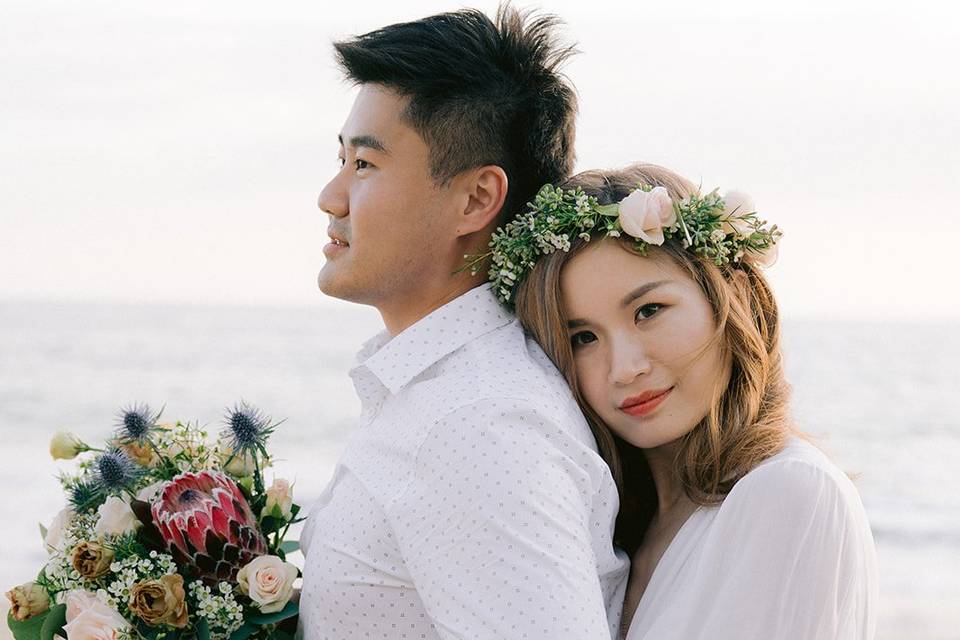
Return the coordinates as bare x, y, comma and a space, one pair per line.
485, 189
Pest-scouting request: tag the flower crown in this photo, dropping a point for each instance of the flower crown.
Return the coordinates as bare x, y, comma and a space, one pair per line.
722, 229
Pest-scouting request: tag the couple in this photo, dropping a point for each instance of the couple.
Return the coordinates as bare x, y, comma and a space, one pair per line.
597, 443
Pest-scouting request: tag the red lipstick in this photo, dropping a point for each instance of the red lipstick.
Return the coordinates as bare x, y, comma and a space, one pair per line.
645, 403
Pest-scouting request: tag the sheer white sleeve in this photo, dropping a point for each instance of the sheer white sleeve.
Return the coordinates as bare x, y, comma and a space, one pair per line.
790, 555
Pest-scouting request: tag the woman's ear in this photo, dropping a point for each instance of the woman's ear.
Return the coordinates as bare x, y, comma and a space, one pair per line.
486, 190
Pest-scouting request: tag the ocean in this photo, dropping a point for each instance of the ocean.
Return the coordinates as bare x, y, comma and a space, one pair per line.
882, 399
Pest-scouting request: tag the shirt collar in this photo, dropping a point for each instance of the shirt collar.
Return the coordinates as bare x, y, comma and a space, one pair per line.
397, 361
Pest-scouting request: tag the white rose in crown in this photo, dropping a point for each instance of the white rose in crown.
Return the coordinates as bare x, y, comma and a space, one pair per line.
279, 495
737, 204
115, 518
765, 258
645, 214
268, 581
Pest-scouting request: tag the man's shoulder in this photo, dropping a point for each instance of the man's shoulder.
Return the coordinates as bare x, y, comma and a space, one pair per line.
503, 364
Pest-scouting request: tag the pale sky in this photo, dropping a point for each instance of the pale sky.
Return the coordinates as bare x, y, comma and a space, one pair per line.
173, 152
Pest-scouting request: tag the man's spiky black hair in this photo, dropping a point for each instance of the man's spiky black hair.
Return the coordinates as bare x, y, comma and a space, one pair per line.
480, 92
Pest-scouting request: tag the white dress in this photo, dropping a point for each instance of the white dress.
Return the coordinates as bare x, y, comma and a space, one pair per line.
787, 554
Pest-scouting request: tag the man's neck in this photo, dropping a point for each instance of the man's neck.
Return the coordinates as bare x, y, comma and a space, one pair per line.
401, 317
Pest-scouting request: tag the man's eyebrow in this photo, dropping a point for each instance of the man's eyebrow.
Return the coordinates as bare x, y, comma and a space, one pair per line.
368, 141
640, 291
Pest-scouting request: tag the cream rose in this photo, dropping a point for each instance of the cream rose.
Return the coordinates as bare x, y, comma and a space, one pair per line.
115, 518
27, 600
280, 495
90, 619
53, 539
645, 214
737, 204
150, 492
268, 581
236, 464
66, 446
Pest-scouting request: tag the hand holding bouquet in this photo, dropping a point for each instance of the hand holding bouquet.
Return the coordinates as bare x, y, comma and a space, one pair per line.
165, 536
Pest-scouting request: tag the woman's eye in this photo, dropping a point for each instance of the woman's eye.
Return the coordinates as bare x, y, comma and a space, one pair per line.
341, 161
648, 310
360, 164
582, 338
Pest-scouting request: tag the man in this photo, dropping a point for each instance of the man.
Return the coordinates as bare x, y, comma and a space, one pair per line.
471, 501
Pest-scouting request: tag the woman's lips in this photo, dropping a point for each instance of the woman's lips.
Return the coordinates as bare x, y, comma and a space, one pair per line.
645, 403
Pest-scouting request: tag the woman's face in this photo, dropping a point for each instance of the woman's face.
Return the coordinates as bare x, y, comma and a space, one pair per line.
642, 335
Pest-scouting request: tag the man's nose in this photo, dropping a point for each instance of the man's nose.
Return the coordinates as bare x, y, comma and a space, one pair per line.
333, 198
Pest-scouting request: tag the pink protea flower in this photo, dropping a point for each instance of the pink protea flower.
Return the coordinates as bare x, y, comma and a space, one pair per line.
207, 524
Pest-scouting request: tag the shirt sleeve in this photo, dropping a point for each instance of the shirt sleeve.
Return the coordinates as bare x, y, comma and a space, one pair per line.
495, 529
790, 555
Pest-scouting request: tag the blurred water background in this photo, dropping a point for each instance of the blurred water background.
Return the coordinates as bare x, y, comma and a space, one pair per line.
883, 399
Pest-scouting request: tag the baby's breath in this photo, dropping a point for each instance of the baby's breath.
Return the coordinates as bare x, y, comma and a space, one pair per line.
223, 613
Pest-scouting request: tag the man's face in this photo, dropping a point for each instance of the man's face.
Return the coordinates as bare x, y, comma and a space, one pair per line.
386, 213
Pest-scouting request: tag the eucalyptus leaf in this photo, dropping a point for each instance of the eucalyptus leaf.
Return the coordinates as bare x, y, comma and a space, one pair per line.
244, 632
28, 629
203, 629
290, 546
53, 624
270, 618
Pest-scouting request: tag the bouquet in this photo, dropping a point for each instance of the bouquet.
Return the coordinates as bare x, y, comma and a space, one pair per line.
166, 535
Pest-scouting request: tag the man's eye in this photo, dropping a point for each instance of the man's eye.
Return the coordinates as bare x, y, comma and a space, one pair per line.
582, 338
648, 310
341, 161
360, 164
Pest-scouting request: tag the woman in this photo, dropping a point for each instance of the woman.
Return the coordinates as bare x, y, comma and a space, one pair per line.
653, 305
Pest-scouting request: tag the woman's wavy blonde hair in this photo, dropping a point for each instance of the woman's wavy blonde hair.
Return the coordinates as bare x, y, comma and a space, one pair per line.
748, 420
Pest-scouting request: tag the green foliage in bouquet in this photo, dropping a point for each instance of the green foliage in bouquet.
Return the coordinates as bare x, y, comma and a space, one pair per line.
166, 535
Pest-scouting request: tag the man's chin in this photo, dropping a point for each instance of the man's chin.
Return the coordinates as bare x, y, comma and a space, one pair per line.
335, 285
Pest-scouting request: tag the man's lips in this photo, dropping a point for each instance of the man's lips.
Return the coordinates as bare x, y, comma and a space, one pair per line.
645, 402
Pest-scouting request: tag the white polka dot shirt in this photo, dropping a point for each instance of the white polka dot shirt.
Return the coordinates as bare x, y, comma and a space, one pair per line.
470, 502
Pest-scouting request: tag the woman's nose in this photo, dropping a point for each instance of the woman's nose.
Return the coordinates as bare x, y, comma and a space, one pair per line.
628, 361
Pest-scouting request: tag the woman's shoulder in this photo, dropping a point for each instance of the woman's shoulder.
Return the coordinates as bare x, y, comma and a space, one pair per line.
800, 480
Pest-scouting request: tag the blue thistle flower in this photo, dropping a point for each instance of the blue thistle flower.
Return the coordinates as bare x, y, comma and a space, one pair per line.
136, 423
85, 495
114, 471
247, 428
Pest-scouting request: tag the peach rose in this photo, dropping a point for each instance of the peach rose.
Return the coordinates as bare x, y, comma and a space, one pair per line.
268, 581
142, 454
279, 495
645, 214
90, 619
91, 559
160, 601
27, 600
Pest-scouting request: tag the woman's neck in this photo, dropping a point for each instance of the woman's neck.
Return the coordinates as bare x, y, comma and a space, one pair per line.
670, 491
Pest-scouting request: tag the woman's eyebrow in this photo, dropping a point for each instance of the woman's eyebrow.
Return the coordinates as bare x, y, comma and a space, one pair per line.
642, 290
639, 292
